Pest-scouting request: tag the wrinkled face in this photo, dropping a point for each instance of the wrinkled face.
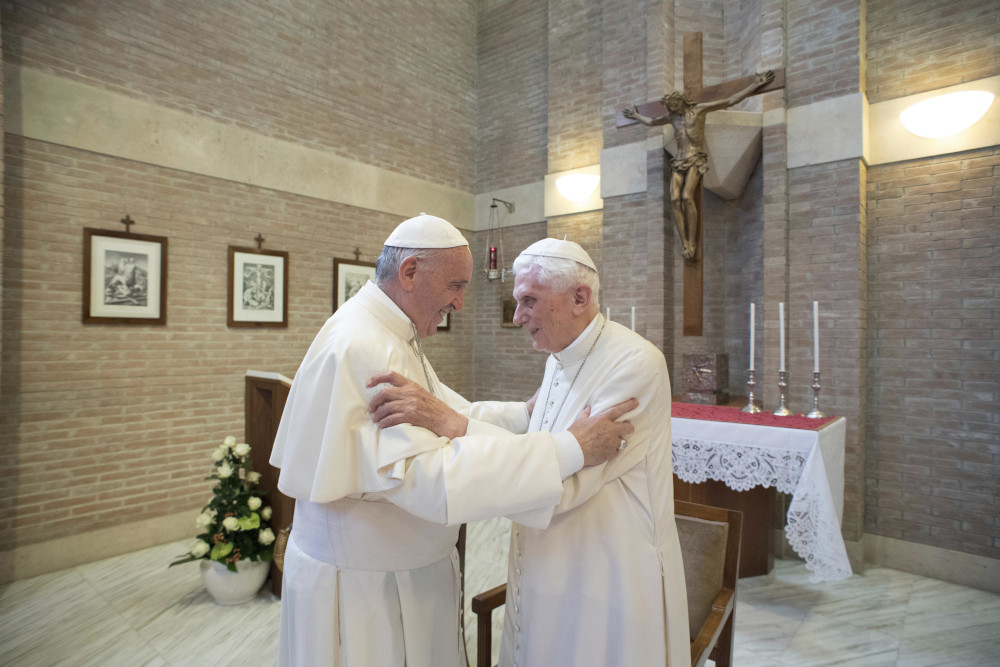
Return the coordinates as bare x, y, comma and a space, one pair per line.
440, 288
546, 314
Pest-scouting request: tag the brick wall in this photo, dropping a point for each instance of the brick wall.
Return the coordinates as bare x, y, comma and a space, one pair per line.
512, 140
919, 45
934, 261
111, 424
932, 267
824, 50
384, 82
574, 78
826, 263
106, 425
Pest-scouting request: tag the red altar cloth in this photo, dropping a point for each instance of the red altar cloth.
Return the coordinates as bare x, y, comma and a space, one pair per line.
724, 413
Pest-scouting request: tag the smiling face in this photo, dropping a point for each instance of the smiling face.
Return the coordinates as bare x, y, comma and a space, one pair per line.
550, 317
438, 287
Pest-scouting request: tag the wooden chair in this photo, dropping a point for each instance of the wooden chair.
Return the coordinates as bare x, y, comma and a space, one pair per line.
710, 544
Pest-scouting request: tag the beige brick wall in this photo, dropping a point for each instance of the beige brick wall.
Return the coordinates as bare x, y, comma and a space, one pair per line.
934, 260
824, 50
512, 139
107, 425
919, 45
932, 266
826, 237
112, 424
383, 82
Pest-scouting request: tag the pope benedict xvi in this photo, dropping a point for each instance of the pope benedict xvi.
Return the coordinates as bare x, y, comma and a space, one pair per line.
603, 583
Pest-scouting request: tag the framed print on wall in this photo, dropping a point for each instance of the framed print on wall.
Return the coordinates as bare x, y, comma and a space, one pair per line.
258, 287
349, 276
445, 324
124, 278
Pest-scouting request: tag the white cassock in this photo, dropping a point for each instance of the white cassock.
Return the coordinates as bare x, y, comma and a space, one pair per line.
604, 583
371, 573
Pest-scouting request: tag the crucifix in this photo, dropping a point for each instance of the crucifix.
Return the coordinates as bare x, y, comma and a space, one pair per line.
357, 254
128, 222
686, 113
260, 240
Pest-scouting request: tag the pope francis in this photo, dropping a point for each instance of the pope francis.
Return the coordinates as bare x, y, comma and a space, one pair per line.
603, 583
371, 572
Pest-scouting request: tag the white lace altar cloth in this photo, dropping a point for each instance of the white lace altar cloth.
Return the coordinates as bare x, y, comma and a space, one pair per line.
809, 465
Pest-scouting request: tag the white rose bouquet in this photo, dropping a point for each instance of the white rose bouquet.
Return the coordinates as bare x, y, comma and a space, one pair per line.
235, 520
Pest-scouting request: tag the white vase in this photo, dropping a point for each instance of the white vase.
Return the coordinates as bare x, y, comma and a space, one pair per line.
230, 588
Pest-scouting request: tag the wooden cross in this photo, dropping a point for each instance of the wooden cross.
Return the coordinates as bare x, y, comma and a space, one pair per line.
260, 240
693, 267
128, 222
357, 254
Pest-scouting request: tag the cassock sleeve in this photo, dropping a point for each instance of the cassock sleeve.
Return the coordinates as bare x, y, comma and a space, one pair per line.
490, 472
512, 417
327, 446
641, 374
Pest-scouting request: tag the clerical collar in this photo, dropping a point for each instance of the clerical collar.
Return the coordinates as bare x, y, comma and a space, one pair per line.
577, 350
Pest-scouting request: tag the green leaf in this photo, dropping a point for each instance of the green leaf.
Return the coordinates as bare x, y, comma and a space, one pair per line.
221, 550
185, 559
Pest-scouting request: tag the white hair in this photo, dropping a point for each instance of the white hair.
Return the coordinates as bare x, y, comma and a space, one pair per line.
560, 274
387, 264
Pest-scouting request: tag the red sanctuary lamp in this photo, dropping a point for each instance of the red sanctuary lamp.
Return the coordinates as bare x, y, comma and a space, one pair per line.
494, 241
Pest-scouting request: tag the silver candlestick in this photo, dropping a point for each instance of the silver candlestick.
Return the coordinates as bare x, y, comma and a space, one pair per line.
751, 406
815, 412
782, 410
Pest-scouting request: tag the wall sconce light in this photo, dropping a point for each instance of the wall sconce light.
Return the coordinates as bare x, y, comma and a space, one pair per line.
946, 115
577, 187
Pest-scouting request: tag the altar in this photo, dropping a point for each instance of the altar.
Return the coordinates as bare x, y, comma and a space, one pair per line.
795, 455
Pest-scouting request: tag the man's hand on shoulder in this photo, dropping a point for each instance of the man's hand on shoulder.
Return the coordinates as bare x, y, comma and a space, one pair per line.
406, 402
600, 436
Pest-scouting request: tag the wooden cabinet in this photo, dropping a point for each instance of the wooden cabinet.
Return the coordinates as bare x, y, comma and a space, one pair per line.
266, 394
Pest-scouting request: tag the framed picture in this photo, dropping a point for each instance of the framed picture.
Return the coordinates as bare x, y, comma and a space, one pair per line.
445, 323
124, 278
258, 287
349, 276
508, 305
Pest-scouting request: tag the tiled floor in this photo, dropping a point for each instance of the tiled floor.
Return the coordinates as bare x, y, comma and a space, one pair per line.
131, 610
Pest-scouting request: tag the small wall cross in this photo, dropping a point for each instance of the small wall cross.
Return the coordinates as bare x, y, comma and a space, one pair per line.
357, 254
128, 222
260, 241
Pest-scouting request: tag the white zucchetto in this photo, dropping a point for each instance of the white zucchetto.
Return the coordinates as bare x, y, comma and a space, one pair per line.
426, 231
562, 250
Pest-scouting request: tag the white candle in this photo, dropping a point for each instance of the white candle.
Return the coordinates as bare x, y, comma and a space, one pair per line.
608, 315
781, 335
751, 334
633, 318
815, 336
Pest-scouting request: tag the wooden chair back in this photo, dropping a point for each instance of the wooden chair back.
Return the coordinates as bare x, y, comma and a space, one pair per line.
710, 544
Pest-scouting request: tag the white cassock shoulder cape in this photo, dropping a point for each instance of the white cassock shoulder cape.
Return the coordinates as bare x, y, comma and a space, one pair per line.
371, 558
604, 583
